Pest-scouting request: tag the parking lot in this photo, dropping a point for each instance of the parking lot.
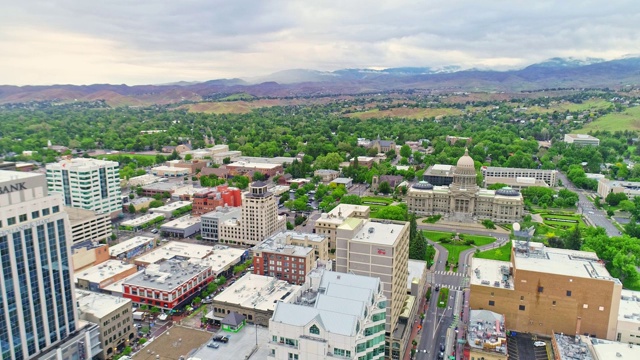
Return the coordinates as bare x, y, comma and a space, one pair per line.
240, 345
177, 341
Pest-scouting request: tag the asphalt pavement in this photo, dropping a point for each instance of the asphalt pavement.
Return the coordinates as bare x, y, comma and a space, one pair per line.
594, 215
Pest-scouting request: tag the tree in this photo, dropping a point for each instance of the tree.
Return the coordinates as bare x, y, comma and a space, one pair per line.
384, 187
156, 204
573, 240
496, 186
392, 212
226, 160
188, 157
174, 155
330, 161
258, 176
351, 199
627, 205
614, 199
131, 196
417, 242
132, 209
405, 151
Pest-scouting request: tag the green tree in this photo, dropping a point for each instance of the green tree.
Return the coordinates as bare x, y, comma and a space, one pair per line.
614, 199
405, 151
384, 187
392, 212
496, 186
132, 209
131, 196
258, 176
417, 242
188, 157
351, 199
156, 204
330, 161
573, 239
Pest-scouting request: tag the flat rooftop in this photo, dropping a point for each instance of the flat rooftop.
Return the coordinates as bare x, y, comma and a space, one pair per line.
101, 272
116, 287
416, 270
581, 136
240, 346
539, 258
605, 349
629, 306
508, 169
342, 180
261, 292
77, 214
98, 304
172, 206
182, 222
8, 175
176, 248
373, 232
297, 236
166, 275
491, 273
223, 212
440, 169
221, 258
160, 186
341, 212
520, 180
140, 220
256, 165
279, 245
140, 200
487, 332
275, 160
81, 163
127, 245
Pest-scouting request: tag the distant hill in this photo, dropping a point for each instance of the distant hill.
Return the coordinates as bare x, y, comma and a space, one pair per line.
552, 73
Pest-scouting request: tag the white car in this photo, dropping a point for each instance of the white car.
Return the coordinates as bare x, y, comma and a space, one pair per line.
539, 344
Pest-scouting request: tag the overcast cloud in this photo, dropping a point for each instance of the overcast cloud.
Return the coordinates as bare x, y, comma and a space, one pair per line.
145, 41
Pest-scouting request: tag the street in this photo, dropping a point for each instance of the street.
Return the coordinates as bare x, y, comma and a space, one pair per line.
595, 216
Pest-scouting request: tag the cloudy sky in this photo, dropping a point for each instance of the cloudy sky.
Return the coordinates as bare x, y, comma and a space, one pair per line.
157, 41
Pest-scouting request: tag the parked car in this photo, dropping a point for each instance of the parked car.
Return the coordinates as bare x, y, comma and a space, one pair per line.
221, 338
213, 345
539, 344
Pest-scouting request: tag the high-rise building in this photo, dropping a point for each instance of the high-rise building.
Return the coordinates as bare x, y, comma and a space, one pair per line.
379, 249
37, 307
87, 184
259, 218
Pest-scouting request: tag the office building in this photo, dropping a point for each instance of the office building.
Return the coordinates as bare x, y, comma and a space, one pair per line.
88, 225
84, 343
99, 276
167, 284
607, 186
328, 223
326, 175
87, 254
141, 222
210, 222
518, 183
546, 289
463, 200
170, 171
628, 328
259, 218
173, 209
182, 227
486, 336
439, 174
254, 297
37, 306
379, 249
548, 176
572, 347
129, 249
87, 184
208, 200
337, 316
114, 316
581, 139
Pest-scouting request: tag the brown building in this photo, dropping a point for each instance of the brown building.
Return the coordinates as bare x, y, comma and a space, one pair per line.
544, 290
274, 257
208, 200
244, 168
192, 166
88, 253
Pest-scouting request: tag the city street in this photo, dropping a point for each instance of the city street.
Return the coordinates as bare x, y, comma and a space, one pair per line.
595, 216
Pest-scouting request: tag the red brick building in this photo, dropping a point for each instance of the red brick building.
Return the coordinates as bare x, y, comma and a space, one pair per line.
209, 199
290, 263
168, 284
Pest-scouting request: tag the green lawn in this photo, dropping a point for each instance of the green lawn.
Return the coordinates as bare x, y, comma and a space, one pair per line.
443, 297
436, 235
502, 253
454, 251
240, 96
626, 120
376, 199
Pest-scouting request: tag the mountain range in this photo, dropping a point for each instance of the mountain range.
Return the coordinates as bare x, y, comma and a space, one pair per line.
552, 73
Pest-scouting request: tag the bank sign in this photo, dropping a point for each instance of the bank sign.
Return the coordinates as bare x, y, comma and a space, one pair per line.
6, 189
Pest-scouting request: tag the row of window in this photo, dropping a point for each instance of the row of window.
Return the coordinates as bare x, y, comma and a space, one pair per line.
34, 215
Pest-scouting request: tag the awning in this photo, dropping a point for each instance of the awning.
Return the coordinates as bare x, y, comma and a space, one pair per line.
211, 316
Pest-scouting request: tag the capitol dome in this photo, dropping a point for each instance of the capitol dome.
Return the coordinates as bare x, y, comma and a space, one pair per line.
423, 185
465, 161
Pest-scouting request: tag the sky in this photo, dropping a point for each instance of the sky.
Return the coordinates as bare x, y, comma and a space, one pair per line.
157, 41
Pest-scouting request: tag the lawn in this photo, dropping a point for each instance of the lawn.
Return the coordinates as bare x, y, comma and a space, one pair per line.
626, 120
556, 221
408, 112
455, 249
443, 297
436, 235
503, 253
376, 200
239, 96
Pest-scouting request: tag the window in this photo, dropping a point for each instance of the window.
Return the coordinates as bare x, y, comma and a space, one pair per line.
601, 308
293, 356
55, 209
492, 303
521, 307
11, 221
585, 306
45, 212
35, 214
314, 330
568, 292
521, 298
540, 289
554, 303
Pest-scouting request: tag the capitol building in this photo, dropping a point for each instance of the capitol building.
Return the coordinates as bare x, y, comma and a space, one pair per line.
464, 200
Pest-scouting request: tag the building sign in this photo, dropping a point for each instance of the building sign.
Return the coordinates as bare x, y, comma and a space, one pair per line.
382, 252
13, 187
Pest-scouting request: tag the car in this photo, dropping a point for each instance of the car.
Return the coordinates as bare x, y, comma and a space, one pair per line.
213, 345
437, 288
441, 356
154, 231
539, 344
221, 338
441, 347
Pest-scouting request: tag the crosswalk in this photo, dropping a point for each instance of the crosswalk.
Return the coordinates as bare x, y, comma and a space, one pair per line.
450, 273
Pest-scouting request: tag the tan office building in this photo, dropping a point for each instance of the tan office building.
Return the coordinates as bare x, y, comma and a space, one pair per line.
379, 249
328, 223
544, 290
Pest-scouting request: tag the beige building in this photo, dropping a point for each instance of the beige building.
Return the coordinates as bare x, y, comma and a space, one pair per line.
88, 225
464, 200
87, 254
379, 249
581, 139
326, 175
544, 290
328, 223
114, 316
607, 186
259, 218
548, 176
628, 329
517, 183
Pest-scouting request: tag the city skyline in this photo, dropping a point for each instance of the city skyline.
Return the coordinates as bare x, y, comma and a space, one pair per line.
119, 42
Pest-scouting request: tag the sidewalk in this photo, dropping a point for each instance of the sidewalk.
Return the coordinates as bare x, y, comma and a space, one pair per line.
414, 329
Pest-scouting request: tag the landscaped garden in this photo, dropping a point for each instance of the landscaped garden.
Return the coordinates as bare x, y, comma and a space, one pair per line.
457, 245
502, 253
443, 297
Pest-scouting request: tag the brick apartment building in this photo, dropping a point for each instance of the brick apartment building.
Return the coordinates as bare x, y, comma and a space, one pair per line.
208, 200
